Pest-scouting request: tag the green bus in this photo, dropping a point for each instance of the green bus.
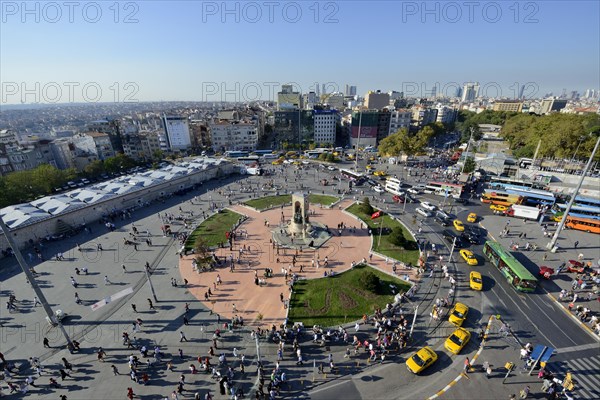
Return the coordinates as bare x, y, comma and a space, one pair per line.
514, 272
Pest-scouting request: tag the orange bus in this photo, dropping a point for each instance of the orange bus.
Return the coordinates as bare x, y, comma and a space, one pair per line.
498, 197
583, 224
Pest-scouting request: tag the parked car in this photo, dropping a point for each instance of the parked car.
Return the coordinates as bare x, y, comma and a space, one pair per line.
379, 189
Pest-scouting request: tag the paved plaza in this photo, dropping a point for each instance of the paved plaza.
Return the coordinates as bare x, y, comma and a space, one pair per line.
23, 331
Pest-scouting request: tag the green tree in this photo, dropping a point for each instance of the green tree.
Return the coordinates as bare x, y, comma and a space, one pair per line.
366, 207
94, 169
370, 281
397, 237
158, 155
469, 165
202, 252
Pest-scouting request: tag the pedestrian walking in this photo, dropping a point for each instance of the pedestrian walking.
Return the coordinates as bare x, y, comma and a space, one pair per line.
134, 308
124, 268
150, 305
467, 365
182, 337
186, 321
101, 353
106, 281
46, 343
576, 243
115, 370
36, 301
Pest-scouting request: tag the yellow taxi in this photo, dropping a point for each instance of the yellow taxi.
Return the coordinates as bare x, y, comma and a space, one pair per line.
277, 162
458, 314
457, 340
296, 163
468, 256
380, 173
498, 207
472, 217
475, 281
421, 360
458, 225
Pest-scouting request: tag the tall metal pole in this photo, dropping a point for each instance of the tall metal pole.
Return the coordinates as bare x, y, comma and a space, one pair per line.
357, 142
151, 285
467, 152
452, 249
412, 326
38, 292
566, 213
380, 231
537, 149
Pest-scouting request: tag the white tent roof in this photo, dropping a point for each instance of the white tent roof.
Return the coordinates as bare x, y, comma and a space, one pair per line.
89, 196
15, 216
57, 204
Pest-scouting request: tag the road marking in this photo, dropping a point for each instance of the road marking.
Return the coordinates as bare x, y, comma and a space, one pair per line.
474, 358
588, 346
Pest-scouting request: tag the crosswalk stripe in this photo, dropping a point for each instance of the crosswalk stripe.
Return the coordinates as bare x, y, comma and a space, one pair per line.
587, 380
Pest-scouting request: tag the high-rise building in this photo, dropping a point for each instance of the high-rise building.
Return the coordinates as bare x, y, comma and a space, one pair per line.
293, 126
350, 90
377, 100
400, 119
423, 115
326, 122
374, 126
177, 132
445, 114
236, 136
521, 92
552, 105
287, 99
470, 92
508, 105
333, 100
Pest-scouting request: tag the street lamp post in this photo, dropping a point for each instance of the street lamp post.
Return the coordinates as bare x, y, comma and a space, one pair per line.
38, 292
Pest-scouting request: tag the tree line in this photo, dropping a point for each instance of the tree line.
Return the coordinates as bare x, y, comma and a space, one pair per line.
25, 186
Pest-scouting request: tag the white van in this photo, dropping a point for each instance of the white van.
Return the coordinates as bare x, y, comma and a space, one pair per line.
423, 212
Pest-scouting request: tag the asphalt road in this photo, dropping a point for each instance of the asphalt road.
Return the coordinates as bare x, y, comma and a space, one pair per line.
534, 318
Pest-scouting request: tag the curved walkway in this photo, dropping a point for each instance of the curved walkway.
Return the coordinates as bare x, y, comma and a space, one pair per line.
238, 286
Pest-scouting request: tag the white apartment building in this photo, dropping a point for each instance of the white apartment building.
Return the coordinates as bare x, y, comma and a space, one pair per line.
177, 132
325, 123
445, 114
233, 136
400, 119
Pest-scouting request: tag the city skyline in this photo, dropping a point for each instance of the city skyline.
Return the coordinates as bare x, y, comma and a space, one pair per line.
113, 52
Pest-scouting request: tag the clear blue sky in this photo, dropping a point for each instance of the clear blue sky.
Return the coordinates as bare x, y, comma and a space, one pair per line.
192, 50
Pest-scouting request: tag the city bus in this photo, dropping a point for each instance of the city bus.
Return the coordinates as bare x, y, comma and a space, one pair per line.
444, 189
491, 196
236, 154
515, 273
394, 186
533, 197
501, 182
355, 177
249, 160
262, 152
576, 211
583, 224
587, 201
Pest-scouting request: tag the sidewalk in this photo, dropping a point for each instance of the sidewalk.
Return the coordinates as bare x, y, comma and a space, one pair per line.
588, 246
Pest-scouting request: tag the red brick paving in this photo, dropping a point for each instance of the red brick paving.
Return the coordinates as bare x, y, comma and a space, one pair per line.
238, 287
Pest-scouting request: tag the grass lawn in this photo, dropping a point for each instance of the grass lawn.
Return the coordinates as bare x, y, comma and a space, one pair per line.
269, 201
341, 298
274, 201
386, 248
213, 229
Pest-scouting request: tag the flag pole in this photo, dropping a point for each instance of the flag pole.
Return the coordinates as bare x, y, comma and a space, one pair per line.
380, 230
